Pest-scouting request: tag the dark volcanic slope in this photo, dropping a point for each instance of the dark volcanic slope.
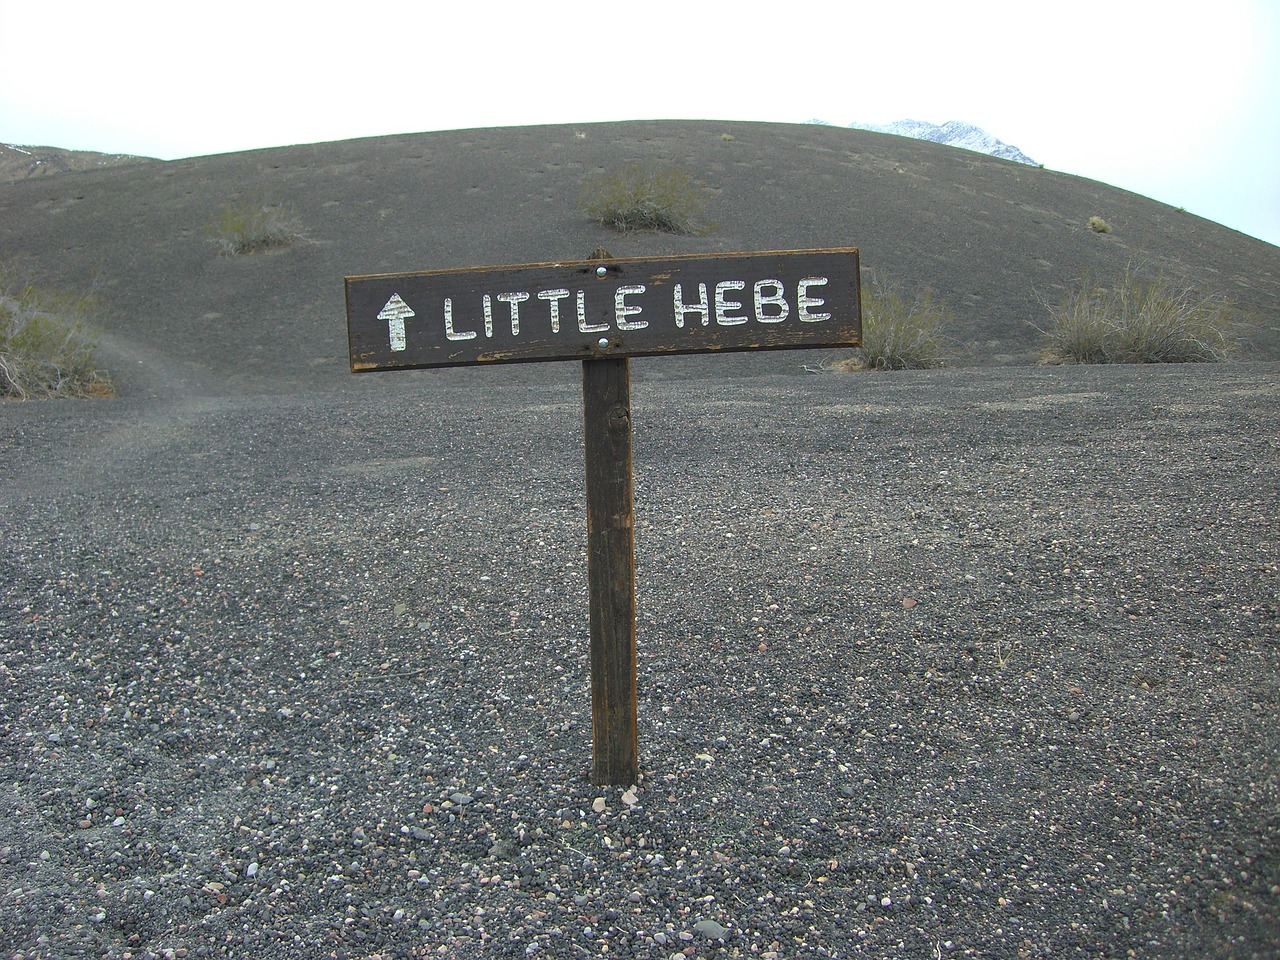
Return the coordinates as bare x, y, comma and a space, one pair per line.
993, 238
958, 663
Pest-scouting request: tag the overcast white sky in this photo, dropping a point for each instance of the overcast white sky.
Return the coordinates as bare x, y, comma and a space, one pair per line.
1176, 100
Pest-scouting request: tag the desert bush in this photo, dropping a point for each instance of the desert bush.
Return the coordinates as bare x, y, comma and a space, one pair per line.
897, 333
1139, 319
246, 226
640, 197
45, 346
1098, 225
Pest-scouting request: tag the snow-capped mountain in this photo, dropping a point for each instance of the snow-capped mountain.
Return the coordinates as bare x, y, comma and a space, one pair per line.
953, 133
18, 162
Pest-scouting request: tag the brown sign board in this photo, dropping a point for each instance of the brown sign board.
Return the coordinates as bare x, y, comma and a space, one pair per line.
599, 309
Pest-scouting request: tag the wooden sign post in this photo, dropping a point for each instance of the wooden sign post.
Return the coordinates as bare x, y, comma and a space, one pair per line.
604, 311
611, 569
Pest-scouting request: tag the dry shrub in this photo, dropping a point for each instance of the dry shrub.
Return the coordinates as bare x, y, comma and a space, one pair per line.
897, 333
247, 226
45, 346
641, 197
1140, 319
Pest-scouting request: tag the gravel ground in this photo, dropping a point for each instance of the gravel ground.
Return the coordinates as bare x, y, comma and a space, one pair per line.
948, 664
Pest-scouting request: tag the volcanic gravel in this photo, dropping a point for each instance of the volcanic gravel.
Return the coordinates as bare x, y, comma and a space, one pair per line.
941, 664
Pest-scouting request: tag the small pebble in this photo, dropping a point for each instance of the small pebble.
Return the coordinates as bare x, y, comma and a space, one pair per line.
711, 929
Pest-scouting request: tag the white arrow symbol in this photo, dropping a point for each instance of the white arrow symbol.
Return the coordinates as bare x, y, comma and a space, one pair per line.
396, 312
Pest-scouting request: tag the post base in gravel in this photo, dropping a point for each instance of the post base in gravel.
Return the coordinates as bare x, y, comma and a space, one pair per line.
611, 565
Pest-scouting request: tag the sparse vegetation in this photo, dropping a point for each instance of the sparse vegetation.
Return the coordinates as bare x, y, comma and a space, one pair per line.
45, 346
898, 334
1139, 319
247, 226
1098, 225
640, 197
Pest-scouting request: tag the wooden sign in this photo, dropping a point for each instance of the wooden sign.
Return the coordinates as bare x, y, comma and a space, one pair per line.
595, 309
604, 311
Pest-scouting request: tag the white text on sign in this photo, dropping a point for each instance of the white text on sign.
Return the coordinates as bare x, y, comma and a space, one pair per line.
727, 303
